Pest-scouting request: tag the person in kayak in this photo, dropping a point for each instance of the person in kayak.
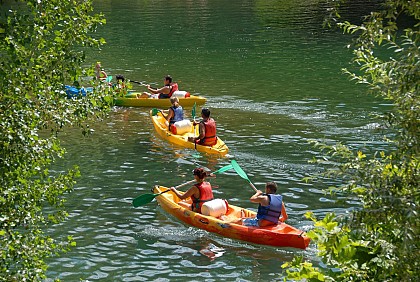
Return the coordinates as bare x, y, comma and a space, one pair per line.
161, 93
100, 73
207, 130
120, 86
199, 193
271, 207
175, 112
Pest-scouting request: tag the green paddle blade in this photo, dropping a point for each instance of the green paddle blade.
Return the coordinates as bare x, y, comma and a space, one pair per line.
223, 169
144, 199
109, 78
193, 111
154, 111
239, 170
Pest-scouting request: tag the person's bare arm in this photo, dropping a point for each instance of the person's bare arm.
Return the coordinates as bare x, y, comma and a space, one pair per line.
260, 198
164, 90
284, 215
187, 194
202, 131
170, 114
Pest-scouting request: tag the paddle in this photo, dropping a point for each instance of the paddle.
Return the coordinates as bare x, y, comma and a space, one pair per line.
193, 116
223, 169
193, 111
242, 173
156, 111
147, 198
141, 83
138, 82
108, 78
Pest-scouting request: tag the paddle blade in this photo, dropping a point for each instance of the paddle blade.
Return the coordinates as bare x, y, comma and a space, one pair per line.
193, 111
223, 169
155, 111
239, 170
143, 199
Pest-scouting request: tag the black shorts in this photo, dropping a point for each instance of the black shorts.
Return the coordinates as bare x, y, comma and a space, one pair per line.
163, 96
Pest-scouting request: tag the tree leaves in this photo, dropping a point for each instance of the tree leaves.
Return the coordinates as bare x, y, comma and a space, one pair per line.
43, 48
379, 241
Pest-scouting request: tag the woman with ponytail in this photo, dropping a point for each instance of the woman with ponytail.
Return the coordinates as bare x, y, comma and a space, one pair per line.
200, 192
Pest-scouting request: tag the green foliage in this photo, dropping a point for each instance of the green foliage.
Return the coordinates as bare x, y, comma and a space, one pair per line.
41, 48
380, 240
303, 270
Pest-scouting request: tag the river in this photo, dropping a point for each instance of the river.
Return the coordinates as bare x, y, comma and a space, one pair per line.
272, 76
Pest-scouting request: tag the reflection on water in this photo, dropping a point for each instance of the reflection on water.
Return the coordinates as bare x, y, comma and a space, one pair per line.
273, 82
211, 251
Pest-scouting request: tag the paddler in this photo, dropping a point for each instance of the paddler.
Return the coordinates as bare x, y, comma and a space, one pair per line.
271, 207
207, 130
100, 73
164, 92
175, 112
199, 193
120, 86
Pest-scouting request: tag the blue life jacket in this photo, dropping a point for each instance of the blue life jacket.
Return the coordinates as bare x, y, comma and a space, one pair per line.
271, 212
178, 114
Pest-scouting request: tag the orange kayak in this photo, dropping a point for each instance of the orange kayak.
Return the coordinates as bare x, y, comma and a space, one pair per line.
281, 235
182, 139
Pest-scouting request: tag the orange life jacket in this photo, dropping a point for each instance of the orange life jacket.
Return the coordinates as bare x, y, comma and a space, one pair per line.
174, 87
210, 138
206, 194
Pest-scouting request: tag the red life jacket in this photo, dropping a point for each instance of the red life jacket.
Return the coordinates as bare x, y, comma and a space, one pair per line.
210, 138
206, 194
174, 87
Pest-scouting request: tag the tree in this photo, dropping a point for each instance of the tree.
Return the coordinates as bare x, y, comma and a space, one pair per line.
42, 46
380, 240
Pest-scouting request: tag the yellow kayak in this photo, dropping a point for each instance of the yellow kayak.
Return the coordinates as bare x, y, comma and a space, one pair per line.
182, 139
131, 100
281, 235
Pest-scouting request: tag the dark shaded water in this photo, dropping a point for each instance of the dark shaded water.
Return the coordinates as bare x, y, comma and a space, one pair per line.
272, 77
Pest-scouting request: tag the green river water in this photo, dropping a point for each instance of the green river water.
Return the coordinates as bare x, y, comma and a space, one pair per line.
272, 77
